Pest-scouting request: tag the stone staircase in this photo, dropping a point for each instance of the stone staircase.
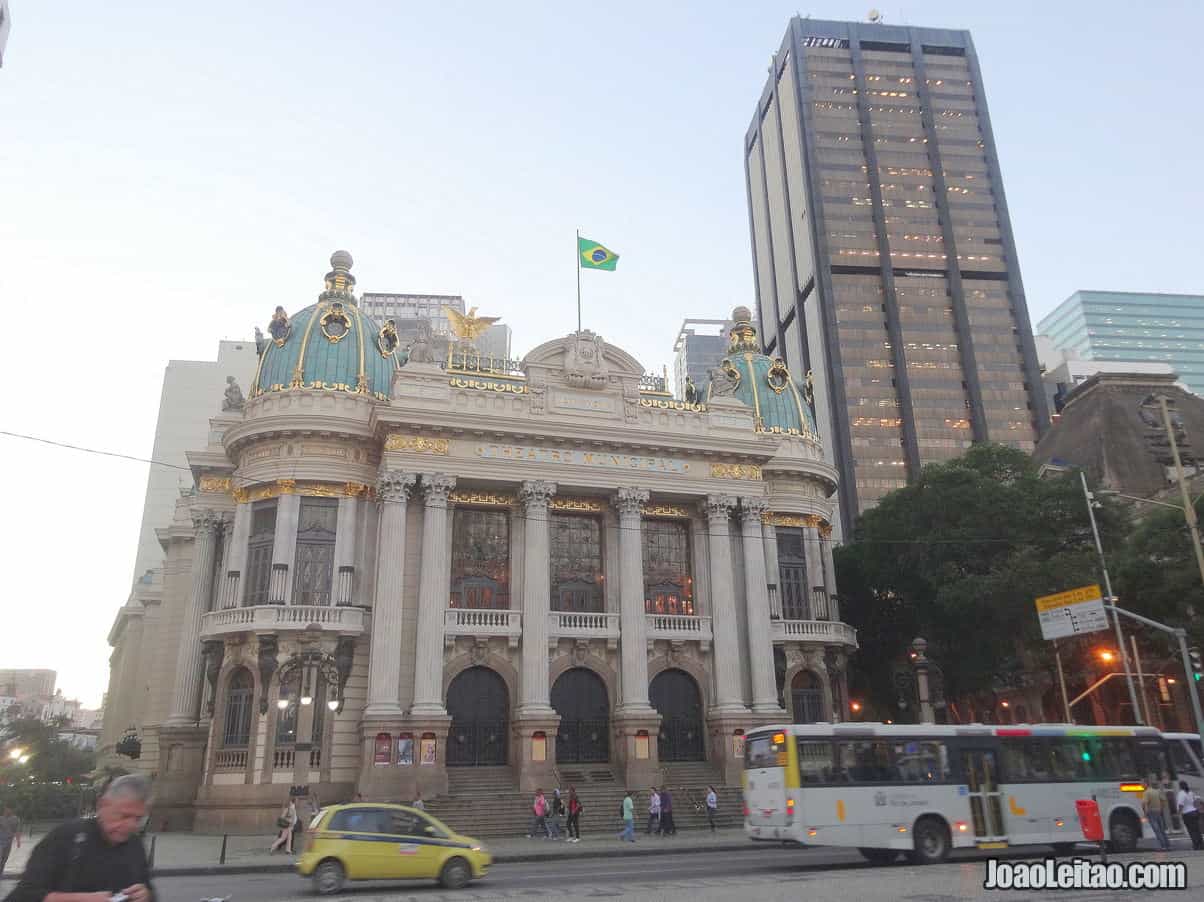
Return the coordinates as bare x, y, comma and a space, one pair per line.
484, 802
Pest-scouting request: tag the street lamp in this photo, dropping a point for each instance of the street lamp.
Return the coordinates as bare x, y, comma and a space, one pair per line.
1106, 656
16, 753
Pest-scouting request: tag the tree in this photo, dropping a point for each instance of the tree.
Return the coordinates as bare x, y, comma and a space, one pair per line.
1156, 572
958, 557
51, 758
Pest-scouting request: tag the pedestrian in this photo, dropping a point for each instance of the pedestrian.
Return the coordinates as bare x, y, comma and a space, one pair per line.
555, 813
286, 822
712, 806
1189, 807
1155, 806
10, 830
654, 812
539, 811
306, 809
94, 857
359, 797
668, 825
628, 812
418, 803
575, 809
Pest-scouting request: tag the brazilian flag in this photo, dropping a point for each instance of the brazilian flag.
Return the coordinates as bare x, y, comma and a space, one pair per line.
595, 256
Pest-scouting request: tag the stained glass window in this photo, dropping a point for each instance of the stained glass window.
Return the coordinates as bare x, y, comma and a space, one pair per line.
792, 575
259, 551
576, 563
480, 571
237, 732
668, 584
315, 551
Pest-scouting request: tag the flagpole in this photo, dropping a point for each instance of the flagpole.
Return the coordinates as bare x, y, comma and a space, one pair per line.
577, 253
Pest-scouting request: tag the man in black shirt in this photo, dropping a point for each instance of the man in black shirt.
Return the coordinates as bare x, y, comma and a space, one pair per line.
92, 860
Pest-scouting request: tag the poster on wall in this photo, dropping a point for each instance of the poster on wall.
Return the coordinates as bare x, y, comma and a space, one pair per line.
738, 745
428, 751
384, 745
405, 749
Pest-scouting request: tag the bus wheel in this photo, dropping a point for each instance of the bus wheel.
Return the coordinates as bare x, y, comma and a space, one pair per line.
1123, 833
932, 843
879, 856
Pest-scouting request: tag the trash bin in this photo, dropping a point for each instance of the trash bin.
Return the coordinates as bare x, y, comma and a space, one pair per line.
1089, 819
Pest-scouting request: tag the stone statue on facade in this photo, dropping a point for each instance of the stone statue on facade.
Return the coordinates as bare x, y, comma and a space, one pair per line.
420, 348
691, 391
585, 364
724, 380
233, 399
280, 327
260, 342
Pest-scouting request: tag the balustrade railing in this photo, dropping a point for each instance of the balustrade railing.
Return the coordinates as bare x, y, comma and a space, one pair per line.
230, 759
679, 627
283, 759
813, 631
654, 384
346, 620
343, 586
315, 757
482, 622
583, 625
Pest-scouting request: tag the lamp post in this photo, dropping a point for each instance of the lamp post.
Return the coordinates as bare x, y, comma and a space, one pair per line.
920, 662
1120, 639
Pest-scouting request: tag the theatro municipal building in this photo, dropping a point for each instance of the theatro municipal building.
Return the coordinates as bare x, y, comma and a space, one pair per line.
398, 564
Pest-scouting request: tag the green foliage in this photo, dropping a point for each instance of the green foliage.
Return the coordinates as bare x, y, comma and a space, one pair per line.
1156, 573
43, 801
958, 557
51, 759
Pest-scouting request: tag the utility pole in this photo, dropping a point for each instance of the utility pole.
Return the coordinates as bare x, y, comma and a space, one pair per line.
1111, 599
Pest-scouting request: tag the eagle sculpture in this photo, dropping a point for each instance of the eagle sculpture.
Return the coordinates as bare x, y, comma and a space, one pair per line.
468, 327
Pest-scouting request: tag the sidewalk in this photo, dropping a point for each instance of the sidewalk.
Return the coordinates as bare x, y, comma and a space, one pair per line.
187, 854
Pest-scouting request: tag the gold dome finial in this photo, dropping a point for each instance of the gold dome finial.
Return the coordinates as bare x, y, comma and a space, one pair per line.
743, 333
340, 279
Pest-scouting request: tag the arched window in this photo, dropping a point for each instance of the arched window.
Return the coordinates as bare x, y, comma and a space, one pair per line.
480, 565
668, 584
239, 695
576, 563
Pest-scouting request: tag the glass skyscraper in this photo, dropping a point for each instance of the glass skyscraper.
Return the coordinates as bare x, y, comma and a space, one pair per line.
883, 252
1135, 327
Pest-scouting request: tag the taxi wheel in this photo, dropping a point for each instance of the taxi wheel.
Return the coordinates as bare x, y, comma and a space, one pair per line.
455, 874
329, 878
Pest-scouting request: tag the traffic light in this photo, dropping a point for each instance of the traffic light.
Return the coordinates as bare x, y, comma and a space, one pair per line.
1197, 663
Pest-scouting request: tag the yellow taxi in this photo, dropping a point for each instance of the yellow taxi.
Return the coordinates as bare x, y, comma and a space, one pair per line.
377, 841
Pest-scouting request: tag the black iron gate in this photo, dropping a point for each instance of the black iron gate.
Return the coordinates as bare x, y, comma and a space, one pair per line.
579, 697
675, 696
479, 706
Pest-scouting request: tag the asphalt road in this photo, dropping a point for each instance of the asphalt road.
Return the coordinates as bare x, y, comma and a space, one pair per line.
761, 874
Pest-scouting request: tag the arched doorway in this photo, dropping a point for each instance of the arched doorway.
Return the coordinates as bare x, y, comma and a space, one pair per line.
807, 698
479, 705
579, 697
675, 696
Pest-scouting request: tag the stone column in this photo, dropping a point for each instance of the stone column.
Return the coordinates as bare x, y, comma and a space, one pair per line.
384, 661
185, 708
344, 551
432, 598
633, 643
284, 545
825, 538
535, 495
726, 659
769, 537
131, 695
813, 555
756, 600
231, 593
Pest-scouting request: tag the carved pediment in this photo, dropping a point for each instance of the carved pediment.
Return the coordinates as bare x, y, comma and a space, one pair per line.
582, 360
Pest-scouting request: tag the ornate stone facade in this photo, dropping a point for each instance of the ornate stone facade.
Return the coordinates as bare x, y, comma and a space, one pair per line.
369, 592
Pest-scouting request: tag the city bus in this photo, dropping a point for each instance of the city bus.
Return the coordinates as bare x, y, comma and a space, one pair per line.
924, 790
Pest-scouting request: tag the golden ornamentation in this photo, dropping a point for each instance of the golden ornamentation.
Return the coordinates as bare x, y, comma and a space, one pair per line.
357, 490
306, 489
490, 499
584, 505
665, 510
332, 320
468, 326
214, 484
778, 430
778, 377
388, 339
287, 486
672, 405
417, 444
801, 521
735, 471
488, 386
825, 530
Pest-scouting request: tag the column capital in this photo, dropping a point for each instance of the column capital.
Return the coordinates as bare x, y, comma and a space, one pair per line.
629, 500
718, 507
535, 495
394, 485
753, 509
209, 521
437, 487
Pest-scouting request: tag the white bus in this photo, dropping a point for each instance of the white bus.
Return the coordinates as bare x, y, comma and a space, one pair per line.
924, 790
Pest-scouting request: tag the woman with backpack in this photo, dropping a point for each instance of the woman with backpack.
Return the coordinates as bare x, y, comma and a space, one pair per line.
539, 809
286, 822
575, 809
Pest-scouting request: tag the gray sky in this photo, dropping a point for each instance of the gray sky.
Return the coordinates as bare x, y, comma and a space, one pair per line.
170, 172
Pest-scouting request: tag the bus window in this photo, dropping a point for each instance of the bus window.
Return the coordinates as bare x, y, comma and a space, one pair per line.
1116, 760
1015, 767
1182, 760
921, 762
866, 762
815, 763
1072, 759
762, 751
1152, 759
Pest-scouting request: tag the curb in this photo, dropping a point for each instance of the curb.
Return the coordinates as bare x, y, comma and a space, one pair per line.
503, 858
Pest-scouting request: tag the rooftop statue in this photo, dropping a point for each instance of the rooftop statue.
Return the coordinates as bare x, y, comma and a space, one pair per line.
468, 327
233, 399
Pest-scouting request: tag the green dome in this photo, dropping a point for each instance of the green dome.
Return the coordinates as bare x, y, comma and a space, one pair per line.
764, 383
330, 345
